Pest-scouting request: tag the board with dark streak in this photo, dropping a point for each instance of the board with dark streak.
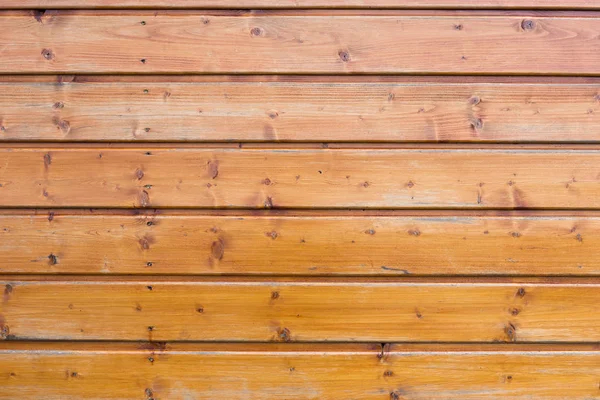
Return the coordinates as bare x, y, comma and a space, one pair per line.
296, 178
309, 243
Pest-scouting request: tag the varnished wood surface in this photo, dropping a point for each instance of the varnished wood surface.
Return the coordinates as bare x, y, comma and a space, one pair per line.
299, 42
358, 110
297, 310
292, 178
311, 199
309, 243
484, 4
36, 370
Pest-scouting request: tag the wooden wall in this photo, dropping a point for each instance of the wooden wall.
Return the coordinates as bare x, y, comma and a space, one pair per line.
304, 199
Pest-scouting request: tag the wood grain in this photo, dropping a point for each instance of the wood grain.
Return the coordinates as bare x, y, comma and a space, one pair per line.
59, 242
355, 111
301, 42
482, 4
280, 178
297, 310
40, 370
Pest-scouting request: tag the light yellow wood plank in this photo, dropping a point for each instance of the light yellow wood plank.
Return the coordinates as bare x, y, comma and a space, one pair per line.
109, 371
300, 310
317, 243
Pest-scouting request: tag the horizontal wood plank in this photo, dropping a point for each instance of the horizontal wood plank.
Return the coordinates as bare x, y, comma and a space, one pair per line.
297, 310
360, 110
312, 43
319, 372
59, 242
236, 4
276, 178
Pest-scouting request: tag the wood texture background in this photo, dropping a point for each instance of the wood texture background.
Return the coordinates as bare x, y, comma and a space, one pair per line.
311, 199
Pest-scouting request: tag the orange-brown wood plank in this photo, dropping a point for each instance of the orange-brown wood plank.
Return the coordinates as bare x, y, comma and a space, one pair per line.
59, 242
300, 310
236, 4
126, 371
273, 178
301, 110
299, 42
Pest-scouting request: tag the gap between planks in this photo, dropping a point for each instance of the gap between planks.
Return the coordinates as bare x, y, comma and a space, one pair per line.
306, 347
266, 12
254, 280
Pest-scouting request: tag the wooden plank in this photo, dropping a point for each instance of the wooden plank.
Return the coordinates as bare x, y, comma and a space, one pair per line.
60, 242
299, 42
275, 178
300, 310
418, 4
301, 110
40, 370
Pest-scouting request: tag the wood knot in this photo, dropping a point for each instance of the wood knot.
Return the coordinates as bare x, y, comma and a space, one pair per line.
47, 160
268, 202
62, 124
213, 169
256, 31
52, 259
217, 249
511, 332
144, 243
395, 396
4, 332
149, 394
284, 334
38, 15
527, 24
48, 54
144, 199
344, 56
476, 124
474, 100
